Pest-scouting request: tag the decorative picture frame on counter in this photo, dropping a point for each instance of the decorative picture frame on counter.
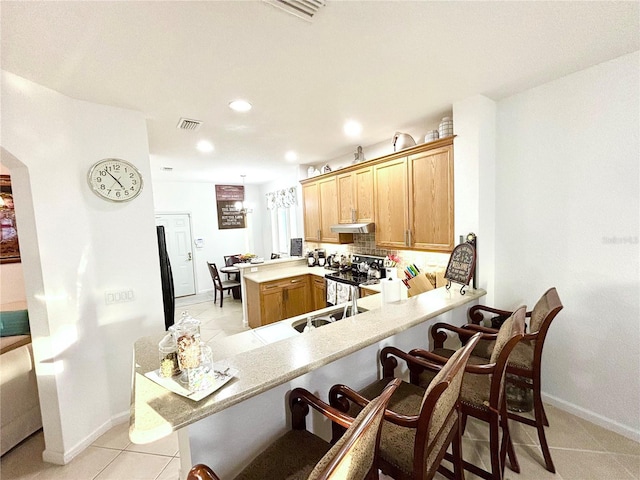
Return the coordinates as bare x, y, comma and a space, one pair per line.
9, 247
462, 264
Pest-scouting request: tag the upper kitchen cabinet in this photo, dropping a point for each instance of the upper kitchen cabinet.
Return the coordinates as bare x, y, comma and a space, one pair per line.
392, 203
414, 199
431, 200
320, 200
355, 196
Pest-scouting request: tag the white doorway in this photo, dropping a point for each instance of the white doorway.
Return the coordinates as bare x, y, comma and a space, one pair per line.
177, 228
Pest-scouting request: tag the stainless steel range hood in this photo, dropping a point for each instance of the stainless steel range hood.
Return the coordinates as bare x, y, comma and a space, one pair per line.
354, 228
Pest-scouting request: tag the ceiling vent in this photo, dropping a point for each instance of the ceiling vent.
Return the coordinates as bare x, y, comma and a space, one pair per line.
188, 124
304, 9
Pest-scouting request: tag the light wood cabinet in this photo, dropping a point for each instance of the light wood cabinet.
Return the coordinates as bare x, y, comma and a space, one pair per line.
431, 200
320, 199
407, 194
318, 292
311, 211
392, 203
414, 201
355, 196
270, 302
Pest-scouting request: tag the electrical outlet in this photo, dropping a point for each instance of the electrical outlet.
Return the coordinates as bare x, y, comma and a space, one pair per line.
118, 296
254, 269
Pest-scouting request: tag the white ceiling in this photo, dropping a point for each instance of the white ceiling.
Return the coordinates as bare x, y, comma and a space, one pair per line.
387, 64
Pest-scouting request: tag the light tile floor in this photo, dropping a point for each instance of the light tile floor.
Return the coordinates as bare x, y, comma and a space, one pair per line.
580, 449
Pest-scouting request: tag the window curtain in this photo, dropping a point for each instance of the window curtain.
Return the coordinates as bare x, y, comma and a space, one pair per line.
284, 198
283, 222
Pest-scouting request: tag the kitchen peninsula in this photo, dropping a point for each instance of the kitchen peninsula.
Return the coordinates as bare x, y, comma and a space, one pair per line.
234, 423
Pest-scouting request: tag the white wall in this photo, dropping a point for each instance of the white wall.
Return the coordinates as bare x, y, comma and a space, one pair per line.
199, 200
567, 215
474, 182
74, 247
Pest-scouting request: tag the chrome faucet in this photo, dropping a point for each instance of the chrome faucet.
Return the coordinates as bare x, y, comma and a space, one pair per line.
354, 303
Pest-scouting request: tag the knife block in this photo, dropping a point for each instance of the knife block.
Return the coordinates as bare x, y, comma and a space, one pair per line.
419, 284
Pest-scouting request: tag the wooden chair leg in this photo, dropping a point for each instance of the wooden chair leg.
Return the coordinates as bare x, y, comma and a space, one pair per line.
507, 443
539, 415
215, 294
458, 467
494, 448
221, 297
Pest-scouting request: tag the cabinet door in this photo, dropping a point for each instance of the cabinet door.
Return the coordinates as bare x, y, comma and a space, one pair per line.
346, 198
431, 200
391, 203
311, 205
363, 186
272, 304
355, 196
328, 208
319, 293
296, 297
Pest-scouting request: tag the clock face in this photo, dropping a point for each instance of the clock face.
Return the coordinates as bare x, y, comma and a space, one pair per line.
115, 180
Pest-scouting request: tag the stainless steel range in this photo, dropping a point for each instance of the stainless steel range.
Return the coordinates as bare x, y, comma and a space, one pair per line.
364, 270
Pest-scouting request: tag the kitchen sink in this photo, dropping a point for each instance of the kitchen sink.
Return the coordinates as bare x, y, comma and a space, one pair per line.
324, 318
315, 322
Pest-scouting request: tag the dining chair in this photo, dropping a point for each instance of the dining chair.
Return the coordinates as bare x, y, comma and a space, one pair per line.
524, 369
420, 423
229, 261
482, 395
299, 454
220, 285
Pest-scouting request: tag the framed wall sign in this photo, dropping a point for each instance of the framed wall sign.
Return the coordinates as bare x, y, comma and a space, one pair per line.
462, 264
9, 248
229, 200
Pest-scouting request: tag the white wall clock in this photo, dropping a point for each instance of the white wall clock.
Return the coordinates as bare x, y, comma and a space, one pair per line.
115, 180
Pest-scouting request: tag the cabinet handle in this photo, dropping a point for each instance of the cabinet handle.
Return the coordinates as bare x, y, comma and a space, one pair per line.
268, 287
319, 236
405, 238
353, 215
409, 235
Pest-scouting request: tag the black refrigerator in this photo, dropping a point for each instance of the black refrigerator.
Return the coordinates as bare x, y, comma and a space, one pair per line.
168, 296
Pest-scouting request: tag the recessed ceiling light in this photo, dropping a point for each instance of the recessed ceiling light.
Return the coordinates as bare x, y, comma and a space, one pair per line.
352, 128
204, 146
291, 156
167, 169
240, 105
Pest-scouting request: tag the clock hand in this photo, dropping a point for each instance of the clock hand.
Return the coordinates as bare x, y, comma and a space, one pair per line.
121, 186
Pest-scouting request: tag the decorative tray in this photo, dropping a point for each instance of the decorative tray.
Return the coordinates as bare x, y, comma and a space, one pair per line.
220, 375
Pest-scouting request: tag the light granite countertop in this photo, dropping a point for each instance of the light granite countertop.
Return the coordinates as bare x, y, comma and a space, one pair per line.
284, 272
156, 412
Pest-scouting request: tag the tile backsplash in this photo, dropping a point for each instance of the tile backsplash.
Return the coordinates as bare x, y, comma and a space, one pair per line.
365, 243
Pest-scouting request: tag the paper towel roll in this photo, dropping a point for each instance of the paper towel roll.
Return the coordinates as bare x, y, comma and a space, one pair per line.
391, 290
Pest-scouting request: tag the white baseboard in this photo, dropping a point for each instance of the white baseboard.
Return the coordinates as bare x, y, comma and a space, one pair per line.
593, 417
63, 458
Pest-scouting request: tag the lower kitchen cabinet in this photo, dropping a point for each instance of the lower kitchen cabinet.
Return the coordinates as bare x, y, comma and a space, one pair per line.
319, 292
270, 302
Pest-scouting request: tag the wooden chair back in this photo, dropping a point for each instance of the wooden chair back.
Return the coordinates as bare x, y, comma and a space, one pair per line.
215, 276
542, 315
354, 456
229, 260
510, 333
438, 420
